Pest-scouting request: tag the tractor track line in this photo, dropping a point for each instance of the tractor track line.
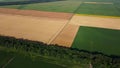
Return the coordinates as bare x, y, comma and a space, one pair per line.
58, 33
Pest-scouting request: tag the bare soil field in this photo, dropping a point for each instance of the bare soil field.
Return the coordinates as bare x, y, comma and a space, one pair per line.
98, 2
29, 27
66, 37
36, 13
93, 21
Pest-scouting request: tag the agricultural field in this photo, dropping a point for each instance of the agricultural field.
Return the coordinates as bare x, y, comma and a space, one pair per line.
89, 7
108, 9
66, 36
96, 21
11, 0
11, 60
28, 27
98, 39
97, 33
84, 25
27, 62
56, 6
4, 58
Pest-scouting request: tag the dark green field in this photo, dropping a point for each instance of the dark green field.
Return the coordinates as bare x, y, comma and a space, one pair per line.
99, 9
21, 61
26, 62
98, 39
4, 58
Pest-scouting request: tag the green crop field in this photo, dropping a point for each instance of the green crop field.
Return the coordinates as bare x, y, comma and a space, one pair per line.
73, 6
56, 6
98, 39
98, 9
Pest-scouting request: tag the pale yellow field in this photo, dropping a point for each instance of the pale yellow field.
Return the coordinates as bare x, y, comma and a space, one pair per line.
94, 21
98, 2
28, 27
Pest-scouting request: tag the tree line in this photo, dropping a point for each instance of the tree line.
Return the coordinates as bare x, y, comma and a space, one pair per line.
25, 2
98, 60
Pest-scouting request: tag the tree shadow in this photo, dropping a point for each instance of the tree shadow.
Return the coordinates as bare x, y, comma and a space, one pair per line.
26, 2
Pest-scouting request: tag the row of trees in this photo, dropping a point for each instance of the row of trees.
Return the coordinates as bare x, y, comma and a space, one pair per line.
98, 60
25, 2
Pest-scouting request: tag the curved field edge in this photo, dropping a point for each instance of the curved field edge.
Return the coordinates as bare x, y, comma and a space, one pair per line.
98, 39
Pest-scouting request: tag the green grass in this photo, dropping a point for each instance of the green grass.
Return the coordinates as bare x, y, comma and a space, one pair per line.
26, 62
22, 61
98, 9
98, 39
4, 58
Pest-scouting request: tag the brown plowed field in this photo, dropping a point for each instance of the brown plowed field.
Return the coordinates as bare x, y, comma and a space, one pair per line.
66, 37
29, 27
93, 21
36, 13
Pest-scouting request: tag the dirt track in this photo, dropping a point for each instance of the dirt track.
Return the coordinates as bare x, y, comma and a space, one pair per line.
36, 13
28, 27
66, 37
111, 23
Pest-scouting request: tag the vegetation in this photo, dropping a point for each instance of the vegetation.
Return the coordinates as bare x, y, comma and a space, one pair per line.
98, 9
56, 6
69, 57
11, 0
4, 57
21, 61
24, 2
77, 6
98, 39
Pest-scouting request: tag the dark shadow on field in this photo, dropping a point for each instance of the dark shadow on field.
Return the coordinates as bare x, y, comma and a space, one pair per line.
26, 2
94, 53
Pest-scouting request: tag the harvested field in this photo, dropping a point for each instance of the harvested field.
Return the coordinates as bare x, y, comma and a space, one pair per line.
98, 2
29, 27
66, 37
36, 13
111, 23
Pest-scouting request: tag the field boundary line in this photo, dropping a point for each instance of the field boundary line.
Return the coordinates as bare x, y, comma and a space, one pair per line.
58, 33
98, 2
35, 13
10, 60
102, 16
